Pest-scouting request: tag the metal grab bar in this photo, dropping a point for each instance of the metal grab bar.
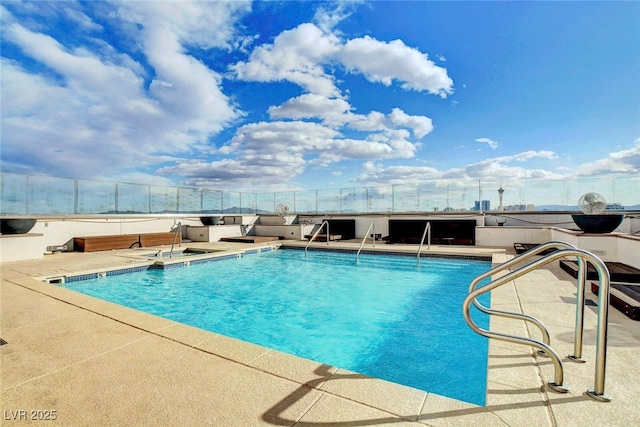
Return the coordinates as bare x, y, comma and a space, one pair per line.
175, 236
365, 238
517, 260
316, 234
598, 391
427, 228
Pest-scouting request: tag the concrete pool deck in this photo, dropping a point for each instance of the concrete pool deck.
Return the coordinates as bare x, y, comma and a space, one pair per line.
86, 361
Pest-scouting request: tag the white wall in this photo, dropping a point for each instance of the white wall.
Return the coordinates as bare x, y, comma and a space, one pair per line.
293, 232
20, 247
277, 219
608, 247
211, 233
507, 236
628, 250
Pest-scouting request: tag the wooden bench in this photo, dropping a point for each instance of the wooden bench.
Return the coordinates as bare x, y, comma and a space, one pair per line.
123, 241
623, 296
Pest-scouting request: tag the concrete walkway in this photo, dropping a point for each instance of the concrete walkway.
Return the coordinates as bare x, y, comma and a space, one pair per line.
82, 361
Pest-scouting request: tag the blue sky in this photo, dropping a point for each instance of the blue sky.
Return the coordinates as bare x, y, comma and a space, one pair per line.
267, 96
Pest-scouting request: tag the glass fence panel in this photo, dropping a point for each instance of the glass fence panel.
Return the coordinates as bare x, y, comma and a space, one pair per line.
265, 202
328, 201
50, 196
286, 200
248, 203
432, 196
353, 200
306, 201
212, 201
537, 195
163, 199
32, 194
488, 198
380, 199
406, 198
14, 194
461, 195
189, 200
96, 197
427, 198
625, 193
231, 203
574, 189
133, 198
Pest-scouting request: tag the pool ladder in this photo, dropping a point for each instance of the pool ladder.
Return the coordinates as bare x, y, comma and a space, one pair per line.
316, 235
175, 237
544, 348
364, 239
426, 233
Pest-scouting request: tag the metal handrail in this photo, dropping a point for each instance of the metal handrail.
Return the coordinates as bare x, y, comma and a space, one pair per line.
365, 238
175, 236
598, 392
427, 228
316, 234
517, 260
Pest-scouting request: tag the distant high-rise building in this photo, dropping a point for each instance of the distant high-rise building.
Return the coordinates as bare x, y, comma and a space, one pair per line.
484, 205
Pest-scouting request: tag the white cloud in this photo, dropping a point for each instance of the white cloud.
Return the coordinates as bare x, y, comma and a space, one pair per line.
327, 19
94, 104
337, 113
492, 144
420, 125
307, 106
192, 23
491, 169
297, 56
623, 161
301, 54
82, 20
260, 149
383, 62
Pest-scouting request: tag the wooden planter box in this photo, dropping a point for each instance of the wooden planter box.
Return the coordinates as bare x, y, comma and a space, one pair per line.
123, 241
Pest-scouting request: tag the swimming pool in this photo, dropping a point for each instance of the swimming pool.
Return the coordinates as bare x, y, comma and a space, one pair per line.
385, 316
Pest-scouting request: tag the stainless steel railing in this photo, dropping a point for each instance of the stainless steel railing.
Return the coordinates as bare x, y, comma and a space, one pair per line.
175, 237
558, 385
515, 261
364, 239
427, 230
316, 234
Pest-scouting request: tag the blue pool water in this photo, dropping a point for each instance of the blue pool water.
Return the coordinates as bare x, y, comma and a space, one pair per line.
385, 316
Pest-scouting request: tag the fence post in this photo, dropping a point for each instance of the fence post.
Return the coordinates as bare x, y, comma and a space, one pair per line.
76, 202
